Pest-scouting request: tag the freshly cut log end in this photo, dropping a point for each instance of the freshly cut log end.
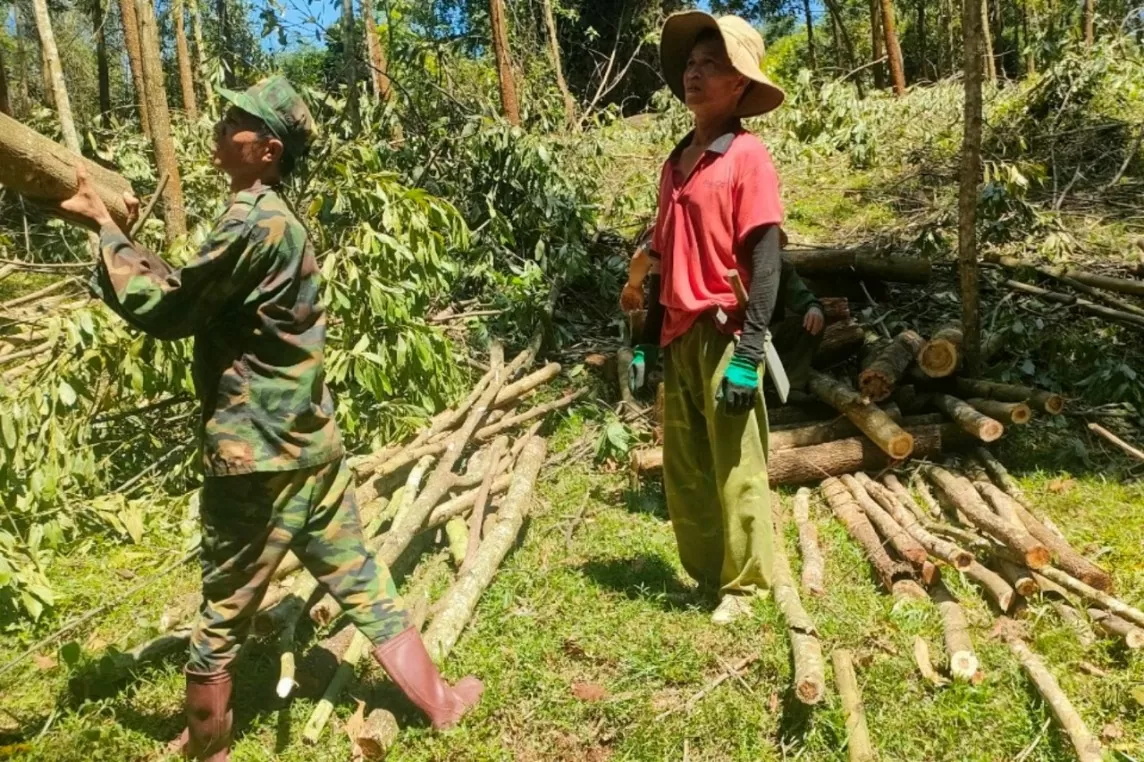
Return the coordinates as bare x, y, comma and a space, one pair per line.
1112, 625
942, 353
1017, 413
1046, 402
839, 341
969, 419
874, 423
1021, 579
963, 663
809, 679
908, 590
377, 735
887, 366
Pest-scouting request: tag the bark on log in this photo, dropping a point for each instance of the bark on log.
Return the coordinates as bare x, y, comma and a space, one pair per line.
827, 431
858, 526
793, 415
456, 608
969, 419
325, 708
1075, 621
1127, 319
835, 309
858, 743
1086, 746
457, 533
873, 422
907, 499
1066, 557
1120, 285
462, 503
515, 391
941, 355
961, 492
1046, 402
901, 540
809, 669
378, 735
963, 663
1001, 475
819, 262
813, 568
998, 589
1107, 435
839, 342
292, 607
1017, 413
1090, 593
477, 517
42, 170
1114, 626
486, 433
1019, 577
887, 367
943, 549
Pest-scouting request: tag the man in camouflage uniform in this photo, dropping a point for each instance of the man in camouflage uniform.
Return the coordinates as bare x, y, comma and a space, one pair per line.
276, 477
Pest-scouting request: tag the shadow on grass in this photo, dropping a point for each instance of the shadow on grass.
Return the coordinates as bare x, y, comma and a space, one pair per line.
648, 499
647, 578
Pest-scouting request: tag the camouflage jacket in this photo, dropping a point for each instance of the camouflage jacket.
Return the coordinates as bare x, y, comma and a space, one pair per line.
250, 300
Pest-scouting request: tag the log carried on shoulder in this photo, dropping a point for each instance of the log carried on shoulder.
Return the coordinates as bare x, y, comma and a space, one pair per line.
42, 170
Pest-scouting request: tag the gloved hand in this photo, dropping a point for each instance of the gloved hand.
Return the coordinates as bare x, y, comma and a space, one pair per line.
740, 385
644, 358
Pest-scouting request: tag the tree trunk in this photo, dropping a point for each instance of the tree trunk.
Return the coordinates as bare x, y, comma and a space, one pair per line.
857, 736
183, 54
865, 263
851, 58
103, 72
809, 670
951, 38
1046, 402
43, 170
161, 138
878, 379
873, 421
999, 37
813, 568
847, 511
876, 43
1030, 55
200, 52
1089, 23
55, 84
942, 354
130, 21
558, 65
1017, 413
893, 49
962, 494
5, 103
923, 50
510, 106
967, 197
378, 64
809, 34
963, 664
224, 53
349, 40
1087, 747
969, 419
987, 43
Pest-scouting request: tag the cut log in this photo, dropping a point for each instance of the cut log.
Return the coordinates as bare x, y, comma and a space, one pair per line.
1125, 318
963, 663
873, 422
456, 608
826, 431
847, 511
961, 493
899, 489
462, 503
794, 415
957, 534
460, 540
1019, 577
901, 540
1000, 591
1090, 593
941, 355
943, 549
835, 308
486, 433
1114, 626
1086, 746
1001, 475
839, 342
325, 708
1094, 280
813, 568
293, 607
1017, 413
925, 663
809, 669
818, 262
888, 366
1067, 558
969, 419
858, 743
515, 391
42, 170
477, 517
377, 736
1046, 402
1076, 621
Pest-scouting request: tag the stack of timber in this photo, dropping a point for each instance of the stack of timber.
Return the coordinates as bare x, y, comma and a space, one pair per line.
473, 470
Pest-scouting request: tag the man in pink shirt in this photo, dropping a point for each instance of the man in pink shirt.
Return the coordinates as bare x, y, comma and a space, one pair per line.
719, 211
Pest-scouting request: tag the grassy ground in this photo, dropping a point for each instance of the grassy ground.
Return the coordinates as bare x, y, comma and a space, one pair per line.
585, 645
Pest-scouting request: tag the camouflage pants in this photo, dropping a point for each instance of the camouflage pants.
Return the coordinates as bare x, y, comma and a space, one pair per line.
796, 348
249, 523
715, 468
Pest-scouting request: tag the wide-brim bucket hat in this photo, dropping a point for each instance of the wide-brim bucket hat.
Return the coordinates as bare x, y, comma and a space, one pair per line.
744, 46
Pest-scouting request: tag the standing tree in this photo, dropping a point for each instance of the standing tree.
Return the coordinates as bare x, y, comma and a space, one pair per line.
848, 46
162, 141
810, 35
876, 42
923, 51
971, 18
130, 20
99, 24
893, 49
510, 106
5, 105
183, 54
349, 42
54, 83
200, 52
376, 54
558, 66
987, 42
1030, 55
1089, 23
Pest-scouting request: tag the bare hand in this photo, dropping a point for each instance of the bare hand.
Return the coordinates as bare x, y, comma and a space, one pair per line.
86, 205
631, 298
132, 205
814, 321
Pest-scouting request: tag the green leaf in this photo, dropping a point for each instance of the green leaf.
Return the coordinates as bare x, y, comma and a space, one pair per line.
70, 653
133, 522
31, 604
8, 428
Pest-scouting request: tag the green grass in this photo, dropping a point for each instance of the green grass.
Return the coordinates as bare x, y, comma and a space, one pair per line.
613, 608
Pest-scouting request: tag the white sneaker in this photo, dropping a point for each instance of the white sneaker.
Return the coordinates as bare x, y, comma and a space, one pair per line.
731, 608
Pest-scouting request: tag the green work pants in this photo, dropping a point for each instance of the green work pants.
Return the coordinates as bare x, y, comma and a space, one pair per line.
249, 523
796, 349
715, 468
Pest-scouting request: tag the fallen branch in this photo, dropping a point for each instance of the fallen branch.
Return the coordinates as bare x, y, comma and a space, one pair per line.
1086, 746
992, 583
882, 267
847, 511
809, 669
1096, 428
857, 735
925, 663
1120, 285
813, 568
488, 432
439, 319
1020, 578
963, 663
901, 540
477, 518
1127, 319
1099, 597
325, 708
734, 671
516, 391
904, 496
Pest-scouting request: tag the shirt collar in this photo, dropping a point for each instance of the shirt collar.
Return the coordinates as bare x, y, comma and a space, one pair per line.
719, 145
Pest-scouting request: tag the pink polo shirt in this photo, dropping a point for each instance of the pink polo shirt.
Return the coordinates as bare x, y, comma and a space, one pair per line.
703, 224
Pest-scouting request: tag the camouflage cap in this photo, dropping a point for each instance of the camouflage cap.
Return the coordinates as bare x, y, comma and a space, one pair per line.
275, 101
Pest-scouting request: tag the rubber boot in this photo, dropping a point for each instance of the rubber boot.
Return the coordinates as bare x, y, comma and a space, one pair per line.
209, 716
407, 663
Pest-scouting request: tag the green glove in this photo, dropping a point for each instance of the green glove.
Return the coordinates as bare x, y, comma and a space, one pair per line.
645, 356
740, 385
